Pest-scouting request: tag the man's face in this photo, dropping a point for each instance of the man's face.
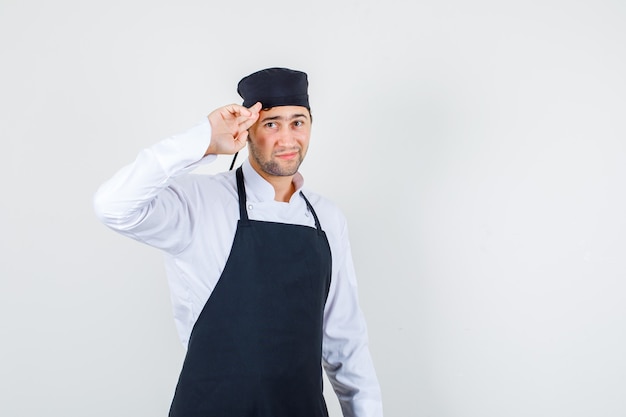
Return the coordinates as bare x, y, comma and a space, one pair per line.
278, 141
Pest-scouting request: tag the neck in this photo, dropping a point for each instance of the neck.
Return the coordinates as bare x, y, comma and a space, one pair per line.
283, 187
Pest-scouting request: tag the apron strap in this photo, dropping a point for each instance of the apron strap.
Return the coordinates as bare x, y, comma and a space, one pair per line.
317, 222
241, 191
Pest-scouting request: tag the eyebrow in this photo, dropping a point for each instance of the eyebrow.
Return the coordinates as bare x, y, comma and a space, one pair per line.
293, 116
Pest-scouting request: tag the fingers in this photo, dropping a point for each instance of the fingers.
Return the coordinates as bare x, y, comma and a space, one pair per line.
245, 121
236, 110
245, 124
254, 112
256, 107
241, 138
230, 126
242, 111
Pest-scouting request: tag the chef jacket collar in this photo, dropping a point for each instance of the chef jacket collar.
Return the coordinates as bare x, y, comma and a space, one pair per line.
259, 190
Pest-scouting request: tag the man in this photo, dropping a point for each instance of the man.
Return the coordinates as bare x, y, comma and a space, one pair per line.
260, 270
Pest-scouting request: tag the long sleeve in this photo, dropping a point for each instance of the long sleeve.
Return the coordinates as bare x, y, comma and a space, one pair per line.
347, 360
138, 200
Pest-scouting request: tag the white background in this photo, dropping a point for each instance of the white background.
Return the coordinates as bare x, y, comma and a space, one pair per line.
477, 149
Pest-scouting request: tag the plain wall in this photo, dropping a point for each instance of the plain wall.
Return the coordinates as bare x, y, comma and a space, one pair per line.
477, 149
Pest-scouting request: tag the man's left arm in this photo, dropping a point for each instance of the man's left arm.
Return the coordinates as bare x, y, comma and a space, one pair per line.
347, 359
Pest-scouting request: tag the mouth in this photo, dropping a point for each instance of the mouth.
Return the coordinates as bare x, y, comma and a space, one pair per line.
287, 155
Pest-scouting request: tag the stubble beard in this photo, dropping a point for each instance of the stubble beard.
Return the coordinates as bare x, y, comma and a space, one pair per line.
273, 167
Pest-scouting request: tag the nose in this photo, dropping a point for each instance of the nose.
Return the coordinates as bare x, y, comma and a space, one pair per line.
286, 137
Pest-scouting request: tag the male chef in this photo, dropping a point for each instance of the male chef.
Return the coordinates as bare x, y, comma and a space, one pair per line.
260, 270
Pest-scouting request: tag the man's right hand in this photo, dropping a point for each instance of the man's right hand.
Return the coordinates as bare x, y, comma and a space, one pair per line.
229, 128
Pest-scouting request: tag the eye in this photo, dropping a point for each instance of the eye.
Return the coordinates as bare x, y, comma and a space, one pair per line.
298, 123
271, 125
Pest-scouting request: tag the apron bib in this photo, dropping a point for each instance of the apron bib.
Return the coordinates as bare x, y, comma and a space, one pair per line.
255, 350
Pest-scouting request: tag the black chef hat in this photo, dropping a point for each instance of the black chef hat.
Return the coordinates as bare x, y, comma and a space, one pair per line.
275, 87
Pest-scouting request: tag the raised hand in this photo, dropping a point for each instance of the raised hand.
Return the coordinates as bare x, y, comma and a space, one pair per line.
229, 128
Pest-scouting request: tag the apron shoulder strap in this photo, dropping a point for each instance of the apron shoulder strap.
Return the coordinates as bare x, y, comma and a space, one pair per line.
241, 190
317, 221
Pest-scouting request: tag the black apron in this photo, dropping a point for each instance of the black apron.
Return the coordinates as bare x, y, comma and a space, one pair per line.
255, 350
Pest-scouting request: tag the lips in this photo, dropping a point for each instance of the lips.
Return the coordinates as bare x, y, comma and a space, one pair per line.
287, 154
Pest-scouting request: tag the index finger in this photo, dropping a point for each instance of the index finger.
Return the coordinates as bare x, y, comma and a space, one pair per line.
245, 121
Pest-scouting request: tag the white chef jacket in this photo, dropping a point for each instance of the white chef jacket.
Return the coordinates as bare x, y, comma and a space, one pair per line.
193, 219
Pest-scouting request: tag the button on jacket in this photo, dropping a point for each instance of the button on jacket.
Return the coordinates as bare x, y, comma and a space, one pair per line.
193, 219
